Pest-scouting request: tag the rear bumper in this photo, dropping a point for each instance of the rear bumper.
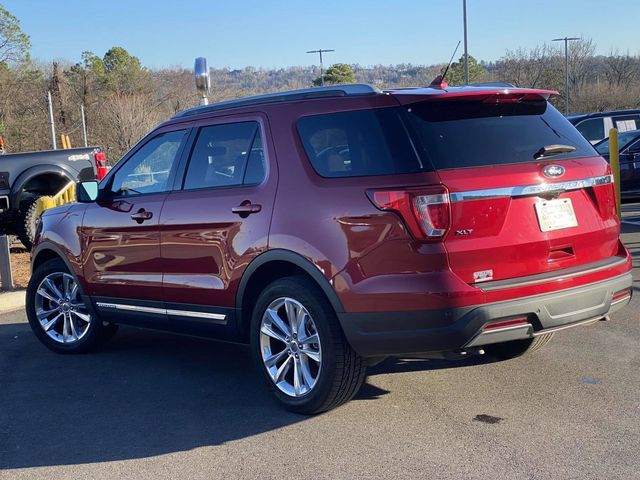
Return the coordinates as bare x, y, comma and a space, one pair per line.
398, 333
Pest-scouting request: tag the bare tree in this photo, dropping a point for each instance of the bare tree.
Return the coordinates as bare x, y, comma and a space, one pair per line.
130, 116
620, 69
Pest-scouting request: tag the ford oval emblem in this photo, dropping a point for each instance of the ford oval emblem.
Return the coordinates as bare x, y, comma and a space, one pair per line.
553, 171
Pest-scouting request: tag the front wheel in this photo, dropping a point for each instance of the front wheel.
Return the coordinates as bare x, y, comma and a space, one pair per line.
299, 346
58, 312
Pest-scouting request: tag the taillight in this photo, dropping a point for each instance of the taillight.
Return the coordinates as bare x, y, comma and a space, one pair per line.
101, 164
425, 211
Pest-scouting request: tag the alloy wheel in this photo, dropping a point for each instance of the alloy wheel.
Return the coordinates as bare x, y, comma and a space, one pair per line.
290, 347
60, 309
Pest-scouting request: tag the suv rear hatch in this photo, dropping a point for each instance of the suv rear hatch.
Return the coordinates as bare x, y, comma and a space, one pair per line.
528, 193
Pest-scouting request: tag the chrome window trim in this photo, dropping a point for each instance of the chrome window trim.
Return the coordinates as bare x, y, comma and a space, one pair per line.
162, 311
528, 190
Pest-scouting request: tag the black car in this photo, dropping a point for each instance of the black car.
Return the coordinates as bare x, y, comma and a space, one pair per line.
595, 126
629, 148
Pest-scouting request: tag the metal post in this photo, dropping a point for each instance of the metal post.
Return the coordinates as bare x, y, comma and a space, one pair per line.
566, 41
6, 278
614, 161
466, 51
51, 123
84, 125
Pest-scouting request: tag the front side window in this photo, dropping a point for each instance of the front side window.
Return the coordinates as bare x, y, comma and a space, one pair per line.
226, 155
148, 170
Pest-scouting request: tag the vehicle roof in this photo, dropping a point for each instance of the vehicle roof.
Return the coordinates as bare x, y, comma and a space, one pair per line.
581, 116
404, 95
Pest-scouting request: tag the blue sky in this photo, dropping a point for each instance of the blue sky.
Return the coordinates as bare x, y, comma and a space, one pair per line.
277, 33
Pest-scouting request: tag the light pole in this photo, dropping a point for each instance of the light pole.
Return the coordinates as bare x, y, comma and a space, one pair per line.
566, 41
320, 51
466, 52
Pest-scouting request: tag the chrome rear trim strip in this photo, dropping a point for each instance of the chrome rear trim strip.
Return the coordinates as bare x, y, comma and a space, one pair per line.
162, 311
550, 276
588, 321
529, 190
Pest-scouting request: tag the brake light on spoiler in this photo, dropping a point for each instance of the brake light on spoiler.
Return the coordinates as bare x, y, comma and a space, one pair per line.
425, 211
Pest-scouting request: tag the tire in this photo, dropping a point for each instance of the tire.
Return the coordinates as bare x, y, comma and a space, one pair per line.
340, 371
28, 222
517, 348
69, 326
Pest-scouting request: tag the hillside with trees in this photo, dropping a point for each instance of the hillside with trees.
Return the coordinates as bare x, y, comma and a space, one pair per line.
123, 99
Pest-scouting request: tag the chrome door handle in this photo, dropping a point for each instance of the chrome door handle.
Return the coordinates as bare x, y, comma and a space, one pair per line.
141, 216
245, 209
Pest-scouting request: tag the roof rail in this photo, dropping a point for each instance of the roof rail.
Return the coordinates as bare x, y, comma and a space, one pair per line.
348, 90
493, 84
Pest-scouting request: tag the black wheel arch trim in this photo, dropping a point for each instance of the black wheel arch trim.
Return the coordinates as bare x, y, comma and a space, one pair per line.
282, 255
35, 171
47, 245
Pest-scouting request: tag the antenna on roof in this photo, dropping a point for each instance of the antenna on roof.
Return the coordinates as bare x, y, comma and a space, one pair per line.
439, 82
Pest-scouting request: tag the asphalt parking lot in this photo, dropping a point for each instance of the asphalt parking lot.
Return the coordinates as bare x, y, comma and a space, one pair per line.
152, 405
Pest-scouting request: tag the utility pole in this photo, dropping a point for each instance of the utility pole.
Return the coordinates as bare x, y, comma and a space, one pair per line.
51, 124
320, 51
466, 51
566, 41
84, 125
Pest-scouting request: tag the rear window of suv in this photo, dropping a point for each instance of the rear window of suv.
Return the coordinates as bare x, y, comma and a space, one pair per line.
435, 135
475, 134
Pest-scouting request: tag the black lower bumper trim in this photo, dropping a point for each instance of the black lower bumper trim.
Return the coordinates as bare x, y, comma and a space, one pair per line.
398, 333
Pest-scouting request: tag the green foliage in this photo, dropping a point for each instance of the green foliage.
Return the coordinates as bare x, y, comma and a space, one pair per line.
455, 76
14, 43
337, 74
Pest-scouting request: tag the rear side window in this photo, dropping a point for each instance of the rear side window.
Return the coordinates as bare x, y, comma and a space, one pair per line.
358, 143
592, 129
223, 155
473, 134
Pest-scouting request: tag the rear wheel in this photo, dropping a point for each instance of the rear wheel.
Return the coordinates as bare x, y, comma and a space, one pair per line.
299, 346
517, 348
58, 312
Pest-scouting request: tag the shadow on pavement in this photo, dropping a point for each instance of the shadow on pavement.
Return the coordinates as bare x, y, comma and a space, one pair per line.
146, 393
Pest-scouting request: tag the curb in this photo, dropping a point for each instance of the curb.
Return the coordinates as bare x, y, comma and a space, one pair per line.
12, 301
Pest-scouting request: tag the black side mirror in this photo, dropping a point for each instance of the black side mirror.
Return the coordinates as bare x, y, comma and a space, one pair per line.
87, 192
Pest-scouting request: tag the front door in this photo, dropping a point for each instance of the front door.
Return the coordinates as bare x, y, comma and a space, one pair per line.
122, 265
218, 222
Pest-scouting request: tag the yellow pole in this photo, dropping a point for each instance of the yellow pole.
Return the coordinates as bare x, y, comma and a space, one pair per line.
614, 160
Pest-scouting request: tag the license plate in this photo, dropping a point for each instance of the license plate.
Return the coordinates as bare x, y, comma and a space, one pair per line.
556, 214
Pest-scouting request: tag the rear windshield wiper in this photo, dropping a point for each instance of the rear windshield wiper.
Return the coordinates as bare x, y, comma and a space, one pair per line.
551, 150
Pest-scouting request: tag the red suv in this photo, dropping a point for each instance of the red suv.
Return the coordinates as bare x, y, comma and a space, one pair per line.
336, 226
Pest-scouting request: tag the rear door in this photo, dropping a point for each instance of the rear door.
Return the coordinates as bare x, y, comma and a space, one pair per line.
218, 220
514, 210
123, 267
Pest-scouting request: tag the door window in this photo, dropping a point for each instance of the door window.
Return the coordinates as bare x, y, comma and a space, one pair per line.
592, 129
148, 170
226, 155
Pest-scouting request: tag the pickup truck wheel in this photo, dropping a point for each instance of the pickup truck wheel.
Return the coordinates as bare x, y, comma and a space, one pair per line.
517, 348
58, 313
29, 221
300, 349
